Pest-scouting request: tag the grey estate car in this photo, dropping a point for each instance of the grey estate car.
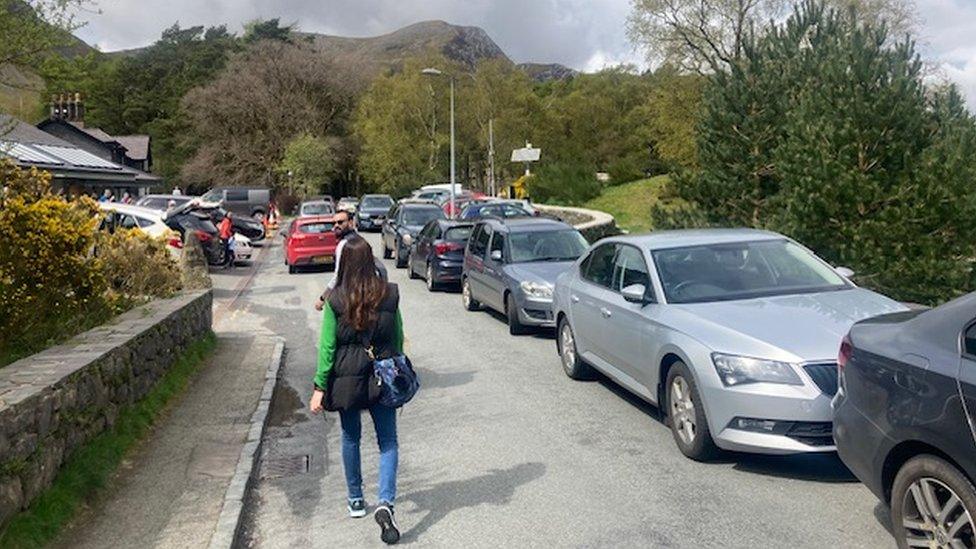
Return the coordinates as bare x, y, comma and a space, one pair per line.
732, 333
510, 265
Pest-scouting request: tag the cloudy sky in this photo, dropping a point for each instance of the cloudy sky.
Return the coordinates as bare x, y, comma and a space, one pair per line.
583, 34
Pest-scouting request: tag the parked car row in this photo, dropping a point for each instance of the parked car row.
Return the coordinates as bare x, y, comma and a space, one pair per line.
745, 340
186, 214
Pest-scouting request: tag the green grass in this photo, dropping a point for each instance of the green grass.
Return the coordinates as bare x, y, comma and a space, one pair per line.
49, 331
630, 203
88, 469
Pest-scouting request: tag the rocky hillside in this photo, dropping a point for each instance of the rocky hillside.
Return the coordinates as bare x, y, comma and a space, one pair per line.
467, 45
543, 72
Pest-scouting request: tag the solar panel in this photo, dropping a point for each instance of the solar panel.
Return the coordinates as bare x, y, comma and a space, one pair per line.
26, 153
78, 157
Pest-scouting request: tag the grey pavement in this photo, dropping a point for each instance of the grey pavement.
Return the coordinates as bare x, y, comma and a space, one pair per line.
501, 449
169, 492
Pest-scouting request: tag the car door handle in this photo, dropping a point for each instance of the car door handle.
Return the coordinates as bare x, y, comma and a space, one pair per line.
574, 298
490, 271
605, 312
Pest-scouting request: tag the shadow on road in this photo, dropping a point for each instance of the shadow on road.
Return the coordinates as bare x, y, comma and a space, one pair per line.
431, 379
494, 488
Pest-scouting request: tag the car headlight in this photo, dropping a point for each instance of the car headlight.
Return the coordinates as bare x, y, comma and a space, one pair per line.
739, 370
536, 289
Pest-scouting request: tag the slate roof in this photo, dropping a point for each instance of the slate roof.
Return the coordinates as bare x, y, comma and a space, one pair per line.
136, 146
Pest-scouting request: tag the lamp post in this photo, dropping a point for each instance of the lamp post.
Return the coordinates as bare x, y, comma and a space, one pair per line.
430, 71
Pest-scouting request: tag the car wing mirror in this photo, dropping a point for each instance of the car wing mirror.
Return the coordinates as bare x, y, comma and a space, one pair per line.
636, 293
496, 255
845, 272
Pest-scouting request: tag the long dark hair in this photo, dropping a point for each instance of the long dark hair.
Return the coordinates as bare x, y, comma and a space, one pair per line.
360, 286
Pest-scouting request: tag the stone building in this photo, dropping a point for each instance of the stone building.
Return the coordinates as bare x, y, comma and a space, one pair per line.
74, 169
67, 121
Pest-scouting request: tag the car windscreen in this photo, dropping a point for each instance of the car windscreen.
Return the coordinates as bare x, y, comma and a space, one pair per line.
317, 208
315, 228
558, 245
458, 233
742, 270
420, 216
377, 202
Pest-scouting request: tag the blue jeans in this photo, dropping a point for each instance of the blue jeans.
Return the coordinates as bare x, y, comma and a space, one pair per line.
384, 420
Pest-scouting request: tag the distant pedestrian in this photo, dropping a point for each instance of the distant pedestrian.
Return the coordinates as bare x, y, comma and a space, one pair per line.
126, 198
107, 196
361, 320
177, 191
226, 232
344, 230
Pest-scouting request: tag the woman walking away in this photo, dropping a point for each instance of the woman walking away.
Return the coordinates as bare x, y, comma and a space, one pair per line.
361, 321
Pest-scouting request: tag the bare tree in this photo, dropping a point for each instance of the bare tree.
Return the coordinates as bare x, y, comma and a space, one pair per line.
243, 120
707, 35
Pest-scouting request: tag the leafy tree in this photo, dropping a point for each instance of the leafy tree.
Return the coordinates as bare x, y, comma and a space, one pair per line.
564, 183
306, 164
825, 131
672, 113
31, 29
242, 121
270, 29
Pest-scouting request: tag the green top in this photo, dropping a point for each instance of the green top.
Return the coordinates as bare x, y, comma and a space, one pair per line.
327, 344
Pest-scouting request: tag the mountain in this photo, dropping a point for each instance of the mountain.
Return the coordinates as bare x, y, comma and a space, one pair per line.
543, 72
466, 45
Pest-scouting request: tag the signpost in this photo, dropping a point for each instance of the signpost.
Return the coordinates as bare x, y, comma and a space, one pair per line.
526, 155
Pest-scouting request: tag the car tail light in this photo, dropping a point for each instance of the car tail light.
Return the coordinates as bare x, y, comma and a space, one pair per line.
203, 236
175, 242
845, 353
442, 248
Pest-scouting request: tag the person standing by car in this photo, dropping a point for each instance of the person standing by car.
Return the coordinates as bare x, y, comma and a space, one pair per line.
361, 322
344, 230
226, 231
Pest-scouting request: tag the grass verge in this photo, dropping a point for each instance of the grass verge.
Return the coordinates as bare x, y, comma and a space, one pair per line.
630, 203
93, 464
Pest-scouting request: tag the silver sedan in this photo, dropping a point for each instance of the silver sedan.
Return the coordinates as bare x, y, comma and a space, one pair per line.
733, 333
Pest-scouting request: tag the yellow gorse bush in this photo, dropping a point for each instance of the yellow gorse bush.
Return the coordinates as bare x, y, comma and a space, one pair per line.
58, 274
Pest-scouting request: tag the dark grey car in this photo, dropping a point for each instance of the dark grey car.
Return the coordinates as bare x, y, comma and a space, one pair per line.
904, 419
403, 223
372, 211
511, 265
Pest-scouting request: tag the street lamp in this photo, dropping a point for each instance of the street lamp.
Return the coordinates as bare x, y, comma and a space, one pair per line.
430, 71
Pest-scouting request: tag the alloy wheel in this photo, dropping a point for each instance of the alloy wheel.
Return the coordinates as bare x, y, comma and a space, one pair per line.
430, 278
567, 348
683, 410
934, 516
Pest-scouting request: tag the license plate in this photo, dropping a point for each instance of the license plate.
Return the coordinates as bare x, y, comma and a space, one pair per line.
323, 259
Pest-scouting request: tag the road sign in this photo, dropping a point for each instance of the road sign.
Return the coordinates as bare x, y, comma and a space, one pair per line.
526, 154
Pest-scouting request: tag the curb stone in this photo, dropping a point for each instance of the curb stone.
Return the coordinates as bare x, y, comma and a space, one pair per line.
230, 521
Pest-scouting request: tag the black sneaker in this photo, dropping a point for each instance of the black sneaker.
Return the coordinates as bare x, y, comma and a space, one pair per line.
389, 531
357, 508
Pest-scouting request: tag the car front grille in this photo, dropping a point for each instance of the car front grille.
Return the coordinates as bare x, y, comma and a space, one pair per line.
824, 375
812, 433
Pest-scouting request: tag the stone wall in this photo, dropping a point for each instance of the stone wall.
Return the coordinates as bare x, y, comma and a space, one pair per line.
55, 401
593, 224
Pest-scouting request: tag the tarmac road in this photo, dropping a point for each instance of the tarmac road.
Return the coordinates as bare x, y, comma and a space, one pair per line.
501, 449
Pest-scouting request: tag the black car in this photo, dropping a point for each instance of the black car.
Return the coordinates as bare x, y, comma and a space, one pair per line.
403, 224
904, 419
186, 221
437, 254
372, 211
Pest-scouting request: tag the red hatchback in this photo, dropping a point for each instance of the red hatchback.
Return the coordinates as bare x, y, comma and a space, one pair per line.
310, 241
